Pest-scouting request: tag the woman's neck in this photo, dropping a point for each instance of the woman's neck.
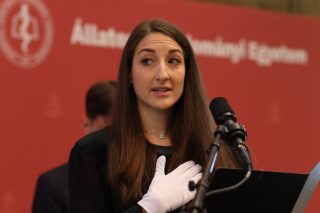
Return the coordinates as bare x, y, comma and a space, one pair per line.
154, 124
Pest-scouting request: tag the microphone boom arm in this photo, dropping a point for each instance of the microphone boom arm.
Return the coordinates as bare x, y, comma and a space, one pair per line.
204, 183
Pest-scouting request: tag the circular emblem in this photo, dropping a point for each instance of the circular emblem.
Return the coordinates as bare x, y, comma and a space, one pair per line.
26, 32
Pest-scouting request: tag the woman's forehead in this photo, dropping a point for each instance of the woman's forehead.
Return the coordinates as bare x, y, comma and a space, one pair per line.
156, 39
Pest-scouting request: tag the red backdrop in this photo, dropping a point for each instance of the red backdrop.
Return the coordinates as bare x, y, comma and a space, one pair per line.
266, 64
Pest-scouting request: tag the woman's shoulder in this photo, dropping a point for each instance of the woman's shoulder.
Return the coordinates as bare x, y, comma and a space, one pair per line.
94, 143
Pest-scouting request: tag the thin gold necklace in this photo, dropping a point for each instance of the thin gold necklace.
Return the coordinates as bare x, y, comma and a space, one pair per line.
161, 135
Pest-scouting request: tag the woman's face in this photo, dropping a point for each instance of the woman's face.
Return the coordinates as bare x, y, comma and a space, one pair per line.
158, 72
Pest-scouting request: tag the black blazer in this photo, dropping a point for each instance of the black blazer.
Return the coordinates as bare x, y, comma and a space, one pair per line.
89, 188
52, 192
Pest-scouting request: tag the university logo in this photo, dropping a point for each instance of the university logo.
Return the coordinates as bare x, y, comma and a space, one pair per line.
26, 32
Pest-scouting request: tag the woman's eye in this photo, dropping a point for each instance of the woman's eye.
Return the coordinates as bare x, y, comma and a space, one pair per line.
174, 61
146, 61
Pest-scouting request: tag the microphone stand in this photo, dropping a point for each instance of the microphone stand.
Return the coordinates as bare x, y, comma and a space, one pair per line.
203, 185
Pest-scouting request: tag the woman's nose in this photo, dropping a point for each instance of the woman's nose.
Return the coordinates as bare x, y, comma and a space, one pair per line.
162, 72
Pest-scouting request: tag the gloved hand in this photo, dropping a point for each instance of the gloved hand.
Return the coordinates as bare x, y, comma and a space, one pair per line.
171, 191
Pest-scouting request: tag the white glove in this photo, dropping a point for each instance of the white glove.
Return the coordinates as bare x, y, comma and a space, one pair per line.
171, 191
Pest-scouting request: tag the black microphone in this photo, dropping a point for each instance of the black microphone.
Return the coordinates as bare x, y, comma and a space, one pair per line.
235, 133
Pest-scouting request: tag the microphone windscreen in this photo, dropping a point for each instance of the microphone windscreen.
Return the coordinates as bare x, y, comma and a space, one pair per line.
221, 110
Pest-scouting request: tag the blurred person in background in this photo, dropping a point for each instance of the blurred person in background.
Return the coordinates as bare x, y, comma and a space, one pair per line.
52, 189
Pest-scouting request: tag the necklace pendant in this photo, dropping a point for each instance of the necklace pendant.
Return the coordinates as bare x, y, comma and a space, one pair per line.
162, 136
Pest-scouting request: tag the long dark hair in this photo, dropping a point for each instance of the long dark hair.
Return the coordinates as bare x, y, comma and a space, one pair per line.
190, 126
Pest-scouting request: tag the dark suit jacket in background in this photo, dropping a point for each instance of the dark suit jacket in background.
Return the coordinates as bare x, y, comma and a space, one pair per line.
52, 191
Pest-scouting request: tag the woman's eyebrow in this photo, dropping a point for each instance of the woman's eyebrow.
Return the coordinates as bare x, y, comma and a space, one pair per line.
146, 50
153, 51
